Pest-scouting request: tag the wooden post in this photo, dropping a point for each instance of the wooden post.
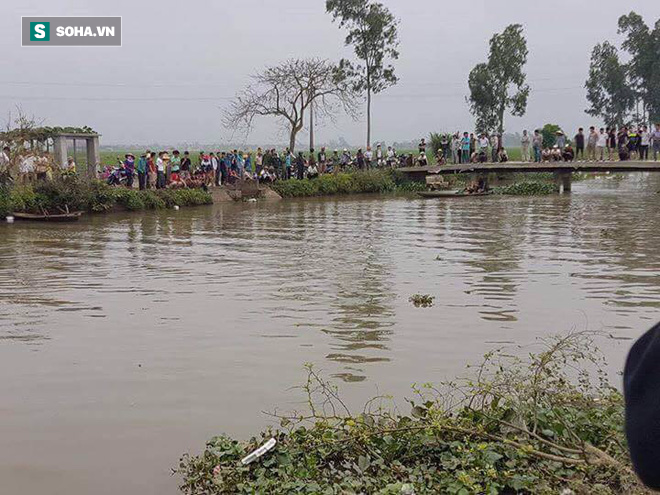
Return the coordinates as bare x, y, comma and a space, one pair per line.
563, 180
566, 181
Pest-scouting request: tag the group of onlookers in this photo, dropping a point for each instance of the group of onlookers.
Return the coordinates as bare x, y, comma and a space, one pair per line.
160, 170
606, 143
470, 148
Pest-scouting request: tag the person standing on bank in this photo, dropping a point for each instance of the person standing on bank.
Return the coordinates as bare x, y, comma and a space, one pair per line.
322, 160
494, 147
160, 171
579, 145
525, 142
129, 168
655, 142
561, 140
215, 168
601, 144
186, 166
611, 143
152, 172
142, 171
176, 162
537, 144
300, 166
592, 142
644, 143
465, 148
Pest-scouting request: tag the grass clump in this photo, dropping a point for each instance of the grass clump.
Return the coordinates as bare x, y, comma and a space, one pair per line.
542, 423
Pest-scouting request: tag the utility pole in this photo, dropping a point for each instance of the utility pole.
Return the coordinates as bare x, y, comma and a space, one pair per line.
311, 126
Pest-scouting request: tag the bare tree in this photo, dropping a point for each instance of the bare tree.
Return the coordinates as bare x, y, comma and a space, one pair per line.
287, 91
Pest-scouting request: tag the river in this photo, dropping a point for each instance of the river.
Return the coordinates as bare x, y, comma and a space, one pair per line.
128, 339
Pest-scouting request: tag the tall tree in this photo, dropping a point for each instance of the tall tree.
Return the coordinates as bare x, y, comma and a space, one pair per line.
287, 91
609, 93
499, 84
372, 32
643, 45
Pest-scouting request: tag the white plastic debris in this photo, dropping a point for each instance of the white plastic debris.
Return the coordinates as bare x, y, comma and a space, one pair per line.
176, 207
259, 452
10, 219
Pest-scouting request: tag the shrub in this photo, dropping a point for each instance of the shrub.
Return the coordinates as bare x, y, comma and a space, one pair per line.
153, 201
130, 199
435, 143
368, 181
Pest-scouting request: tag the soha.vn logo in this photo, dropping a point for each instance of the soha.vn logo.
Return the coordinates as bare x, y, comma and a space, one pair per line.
40, 31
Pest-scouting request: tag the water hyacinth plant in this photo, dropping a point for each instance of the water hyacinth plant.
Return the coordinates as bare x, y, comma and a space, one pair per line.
540, 420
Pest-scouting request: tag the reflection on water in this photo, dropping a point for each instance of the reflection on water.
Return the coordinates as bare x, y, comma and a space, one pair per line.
157, 330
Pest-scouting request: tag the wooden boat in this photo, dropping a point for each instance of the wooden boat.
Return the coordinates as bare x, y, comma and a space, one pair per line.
73, 216
451, 194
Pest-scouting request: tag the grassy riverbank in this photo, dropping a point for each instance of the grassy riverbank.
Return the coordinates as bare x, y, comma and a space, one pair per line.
390, 181
370, 181
520, 425
78, 195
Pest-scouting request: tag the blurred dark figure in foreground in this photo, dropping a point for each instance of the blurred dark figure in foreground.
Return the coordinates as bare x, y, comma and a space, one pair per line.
641, 384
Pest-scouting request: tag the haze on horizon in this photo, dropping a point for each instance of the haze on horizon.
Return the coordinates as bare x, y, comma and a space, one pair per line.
181, 62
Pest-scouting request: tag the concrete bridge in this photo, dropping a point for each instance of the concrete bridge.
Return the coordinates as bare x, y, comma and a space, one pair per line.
562, 170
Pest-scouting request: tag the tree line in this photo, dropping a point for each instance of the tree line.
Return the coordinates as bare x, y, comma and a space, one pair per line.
623, 93
298, 91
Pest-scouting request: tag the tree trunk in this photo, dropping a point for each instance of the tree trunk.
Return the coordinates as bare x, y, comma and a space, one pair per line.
368, 117
292, 135
311, 127
501, 124
292, 140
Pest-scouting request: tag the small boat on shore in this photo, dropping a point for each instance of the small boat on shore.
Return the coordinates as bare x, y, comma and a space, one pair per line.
73, 216
451, 194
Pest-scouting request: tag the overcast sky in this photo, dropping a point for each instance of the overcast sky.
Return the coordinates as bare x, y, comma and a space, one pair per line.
181, 61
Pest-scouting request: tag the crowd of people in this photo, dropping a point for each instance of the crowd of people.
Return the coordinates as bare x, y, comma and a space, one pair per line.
157, 170
470, 148
604, 144
153, 170
160, 170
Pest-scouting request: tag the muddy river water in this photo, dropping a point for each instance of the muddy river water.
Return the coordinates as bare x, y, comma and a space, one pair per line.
126, 340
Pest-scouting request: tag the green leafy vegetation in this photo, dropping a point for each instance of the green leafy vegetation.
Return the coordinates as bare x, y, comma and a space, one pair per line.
539, 419
370, 181
74, 194
528, 189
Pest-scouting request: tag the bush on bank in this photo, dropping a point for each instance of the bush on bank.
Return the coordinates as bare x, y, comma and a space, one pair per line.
369, 181
79, 195
521, 425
